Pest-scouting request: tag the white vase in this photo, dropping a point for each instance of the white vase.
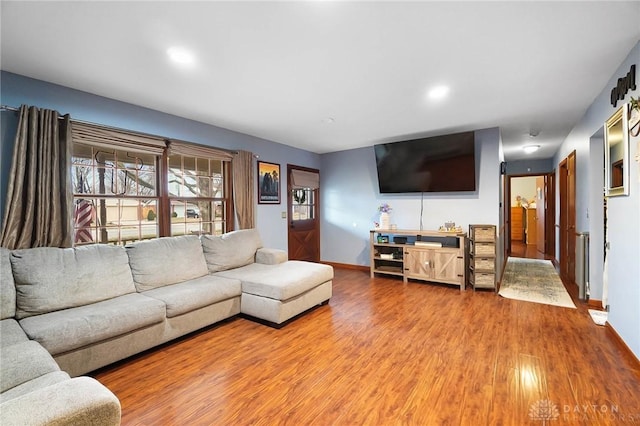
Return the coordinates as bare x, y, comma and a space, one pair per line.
385, 220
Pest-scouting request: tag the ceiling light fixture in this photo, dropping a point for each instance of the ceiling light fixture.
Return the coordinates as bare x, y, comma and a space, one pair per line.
181, 55
530, 148
438, 92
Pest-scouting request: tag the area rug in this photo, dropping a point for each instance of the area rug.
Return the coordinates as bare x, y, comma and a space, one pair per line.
534, 280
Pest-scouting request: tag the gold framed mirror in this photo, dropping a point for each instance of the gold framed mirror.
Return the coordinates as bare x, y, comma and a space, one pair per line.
616, 153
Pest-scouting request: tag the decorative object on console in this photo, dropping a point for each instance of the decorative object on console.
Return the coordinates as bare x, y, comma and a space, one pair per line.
450, 226
383, 239
385, 219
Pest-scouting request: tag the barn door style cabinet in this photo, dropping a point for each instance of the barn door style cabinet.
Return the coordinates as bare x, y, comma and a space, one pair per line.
433, 264
420, 255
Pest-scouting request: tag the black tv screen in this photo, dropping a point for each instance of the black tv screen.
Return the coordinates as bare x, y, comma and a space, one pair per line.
436, 164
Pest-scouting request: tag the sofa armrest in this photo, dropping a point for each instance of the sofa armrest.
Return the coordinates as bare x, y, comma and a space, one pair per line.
269, 256
77, 401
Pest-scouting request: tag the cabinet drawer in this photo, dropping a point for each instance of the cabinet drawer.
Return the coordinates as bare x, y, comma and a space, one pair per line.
486, 263
483, 233
483, 249
482, 279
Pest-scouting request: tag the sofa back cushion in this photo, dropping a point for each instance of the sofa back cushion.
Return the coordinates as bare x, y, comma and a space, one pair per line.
164, 261
231, 250
50, 279
7, 286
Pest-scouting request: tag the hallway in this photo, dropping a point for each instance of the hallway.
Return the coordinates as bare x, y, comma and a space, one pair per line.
520, 249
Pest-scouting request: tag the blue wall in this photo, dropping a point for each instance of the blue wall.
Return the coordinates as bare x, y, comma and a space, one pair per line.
623, 212
16, 90
350, 198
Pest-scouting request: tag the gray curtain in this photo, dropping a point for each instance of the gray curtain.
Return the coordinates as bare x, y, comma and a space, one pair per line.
38, 209
243, 193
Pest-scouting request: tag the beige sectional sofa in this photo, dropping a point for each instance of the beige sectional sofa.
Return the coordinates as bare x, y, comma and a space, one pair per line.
66, 312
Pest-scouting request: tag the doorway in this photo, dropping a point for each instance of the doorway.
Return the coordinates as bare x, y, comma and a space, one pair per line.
531, 216
303, 206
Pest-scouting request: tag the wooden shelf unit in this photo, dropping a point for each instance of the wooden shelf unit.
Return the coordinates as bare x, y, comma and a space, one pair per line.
482, 256
444, 264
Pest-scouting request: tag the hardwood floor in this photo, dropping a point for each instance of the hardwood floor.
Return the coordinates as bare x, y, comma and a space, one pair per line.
385, 353
530, 251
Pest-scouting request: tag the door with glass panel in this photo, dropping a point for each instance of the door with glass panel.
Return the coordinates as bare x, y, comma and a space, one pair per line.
303, 201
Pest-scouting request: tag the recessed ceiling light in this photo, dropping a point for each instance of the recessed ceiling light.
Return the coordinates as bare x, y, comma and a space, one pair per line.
530, 148
180, 55
438, 92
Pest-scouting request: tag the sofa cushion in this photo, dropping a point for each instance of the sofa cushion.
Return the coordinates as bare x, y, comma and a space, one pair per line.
282, 281
231, 250
74, 328
7, 286
271, 256
163, 261
37, 383
11, 333
50, 279
23, 362
74, 402
194, 294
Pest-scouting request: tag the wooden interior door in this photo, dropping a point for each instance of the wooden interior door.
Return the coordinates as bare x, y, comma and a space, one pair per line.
303, 206
567, 198
508, 230
550, 214
541, 208
571, 217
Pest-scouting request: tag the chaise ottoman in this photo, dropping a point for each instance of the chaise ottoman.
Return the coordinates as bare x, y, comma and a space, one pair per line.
277, 293
274, 289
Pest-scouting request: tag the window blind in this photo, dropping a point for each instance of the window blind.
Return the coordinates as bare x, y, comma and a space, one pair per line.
110, 138
197, 150
301, 179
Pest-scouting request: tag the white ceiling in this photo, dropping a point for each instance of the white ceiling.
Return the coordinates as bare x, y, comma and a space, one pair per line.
279, 70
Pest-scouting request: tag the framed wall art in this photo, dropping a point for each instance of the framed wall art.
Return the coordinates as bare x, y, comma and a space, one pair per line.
268, 183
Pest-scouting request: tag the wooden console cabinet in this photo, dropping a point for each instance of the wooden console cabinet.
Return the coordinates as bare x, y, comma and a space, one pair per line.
398, 254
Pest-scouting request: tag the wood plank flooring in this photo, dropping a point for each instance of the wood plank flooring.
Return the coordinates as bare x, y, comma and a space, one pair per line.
387, 353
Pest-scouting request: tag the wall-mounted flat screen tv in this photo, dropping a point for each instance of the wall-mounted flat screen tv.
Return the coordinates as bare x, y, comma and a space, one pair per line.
435, 164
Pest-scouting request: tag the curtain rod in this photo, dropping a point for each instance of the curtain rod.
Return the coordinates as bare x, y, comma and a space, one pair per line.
14, 109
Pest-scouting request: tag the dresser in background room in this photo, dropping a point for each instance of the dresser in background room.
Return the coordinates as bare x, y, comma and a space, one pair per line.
530, 227
517, 228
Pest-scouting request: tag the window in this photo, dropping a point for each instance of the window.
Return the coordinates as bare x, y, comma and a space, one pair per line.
197, 195
118, 195
303, 184
115, 195
303, 206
